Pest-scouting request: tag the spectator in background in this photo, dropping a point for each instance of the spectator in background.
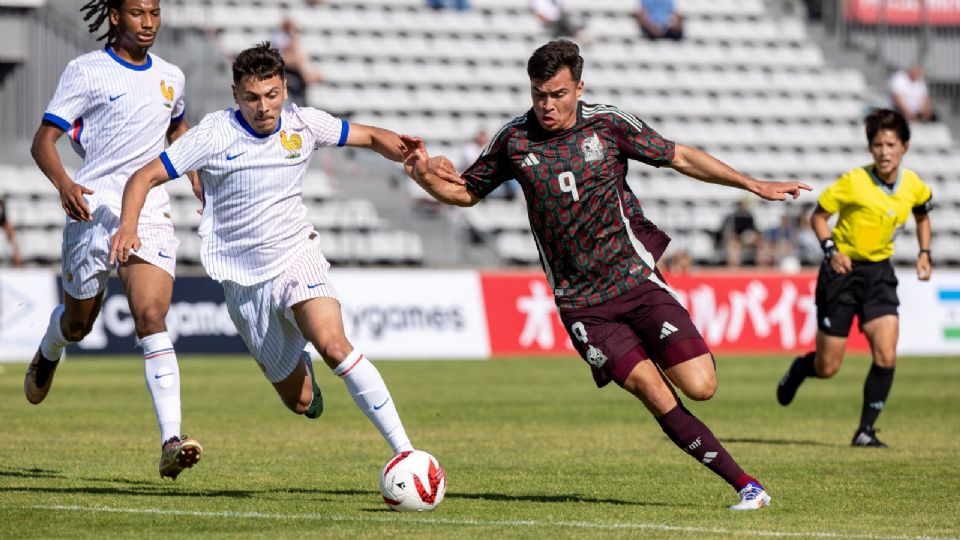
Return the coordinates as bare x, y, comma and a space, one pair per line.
555, 18
910, 96
7, 226
776, 247
459, 5
659, 19
739, 231
677, 263
299, 75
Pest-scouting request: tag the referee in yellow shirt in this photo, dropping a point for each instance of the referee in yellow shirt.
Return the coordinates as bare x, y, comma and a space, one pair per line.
856, 277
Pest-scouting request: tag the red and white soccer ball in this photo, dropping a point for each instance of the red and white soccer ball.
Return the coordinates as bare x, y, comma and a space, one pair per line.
413, 481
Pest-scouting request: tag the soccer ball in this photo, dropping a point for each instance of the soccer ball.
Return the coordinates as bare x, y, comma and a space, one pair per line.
413, 481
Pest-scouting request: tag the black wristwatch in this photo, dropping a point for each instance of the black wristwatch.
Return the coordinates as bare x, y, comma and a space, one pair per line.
927, 251
829, 248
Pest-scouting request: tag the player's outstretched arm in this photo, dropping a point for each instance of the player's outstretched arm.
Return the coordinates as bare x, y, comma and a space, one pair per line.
134, 196
924, 232
44, 152
698, 164
436, 175
382, 141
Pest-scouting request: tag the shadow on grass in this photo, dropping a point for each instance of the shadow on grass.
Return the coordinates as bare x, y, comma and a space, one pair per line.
778, 442
154, 491
31, 473
561, 498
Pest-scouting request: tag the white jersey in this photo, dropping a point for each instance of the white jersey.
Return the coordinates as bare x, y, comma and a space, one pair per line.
253, 217
117, 115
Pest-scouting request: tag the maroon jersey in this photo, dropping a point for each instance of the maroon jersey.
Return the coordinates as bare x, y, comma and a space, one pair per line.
595, 243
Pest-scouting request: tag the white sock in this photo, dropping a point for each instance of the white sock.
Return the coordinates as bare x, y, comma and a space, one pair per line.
370, 393
162, 373
53, 342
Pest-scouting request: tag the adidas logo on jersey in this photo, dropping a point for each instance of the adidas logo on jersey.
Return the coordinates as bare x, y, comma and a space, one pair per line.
667, 329
531, 160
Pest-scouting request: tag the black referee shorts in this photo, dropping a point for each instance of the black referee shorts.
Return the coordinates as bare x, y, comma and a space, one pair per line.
868, 291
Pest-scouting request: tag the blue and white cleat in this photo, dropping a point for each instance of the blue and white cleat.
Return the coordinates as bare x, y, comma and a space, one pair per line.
752, 497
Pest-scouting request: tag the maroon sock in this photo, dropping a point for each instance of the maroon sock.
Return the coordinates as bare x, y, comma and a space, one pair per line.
693, 437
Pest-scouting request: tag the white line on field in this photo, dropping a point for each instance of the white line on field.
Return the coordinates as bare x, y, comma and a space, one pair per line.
481, 522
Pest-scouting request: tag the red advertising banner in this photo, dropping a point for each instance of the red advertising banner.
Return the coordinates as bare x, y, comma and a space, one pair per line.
904, 12
735, 312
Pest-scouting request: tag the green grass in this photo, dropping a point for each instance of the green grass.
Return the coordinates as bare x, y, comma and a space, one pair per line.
531, 448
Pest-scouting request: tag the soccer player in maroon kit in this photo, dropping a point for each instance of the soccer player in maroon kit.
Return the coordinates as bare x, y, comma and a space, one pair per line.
598, 250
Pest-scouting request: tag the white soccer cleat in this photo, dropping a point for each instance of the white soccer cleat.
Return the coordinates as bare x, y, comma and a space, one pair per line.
752, 497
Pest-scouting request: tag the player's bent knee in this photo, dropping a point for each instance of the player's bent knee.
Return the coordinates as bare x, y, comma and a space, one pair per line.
77, 330
701, 390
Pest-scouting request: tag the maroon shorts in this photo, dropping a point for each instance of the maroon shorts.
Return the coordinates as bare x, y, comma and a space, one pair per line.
646, 322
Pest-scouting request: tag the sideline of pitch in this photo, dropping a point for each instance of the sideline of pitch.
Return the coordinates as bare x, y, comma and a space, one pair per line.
587, 525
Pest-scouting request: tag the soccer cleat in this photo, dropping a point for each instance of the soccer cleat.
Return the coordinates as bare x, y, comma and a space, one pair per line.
752, 497
789, 383
867, 438
39, 377
179, 454
316, 406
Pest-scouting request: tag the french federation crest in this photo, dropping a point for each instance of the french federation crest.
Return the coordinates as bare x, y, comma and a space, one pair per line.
595, 357
291, 144
592, 148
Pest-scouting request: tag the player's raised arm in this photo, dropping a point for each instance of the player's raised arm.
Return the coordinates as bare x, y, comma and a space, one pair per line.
698, 164
44, 152
436, 175
134, 195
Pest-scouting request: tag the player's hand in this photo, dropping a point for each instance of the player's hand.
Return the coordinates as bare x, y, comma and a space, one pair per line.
71, 198
924, 267
122, 242
841, 263
779, 191
442, 167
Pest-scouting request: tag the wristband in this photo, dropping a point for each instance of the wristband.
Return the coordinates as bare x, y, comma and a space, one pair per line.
927, 251
829, 248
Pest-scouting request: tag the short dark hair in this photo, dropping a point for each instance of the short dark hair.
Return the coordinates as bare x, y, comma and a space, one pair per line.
881, 119
549, 59
260, 61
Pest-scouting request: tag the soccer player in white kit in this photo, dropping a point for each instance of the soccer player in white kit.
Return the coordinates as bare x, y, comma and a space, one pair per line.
257, 241
117, 104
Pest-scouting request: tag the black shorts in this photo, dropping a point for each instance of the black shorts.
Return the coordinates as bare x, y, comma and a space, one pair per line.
868, 291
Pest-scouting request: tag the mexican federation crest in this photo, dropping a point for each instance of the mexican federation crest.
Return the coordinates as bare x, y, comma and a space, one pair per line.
595, 357
592, 148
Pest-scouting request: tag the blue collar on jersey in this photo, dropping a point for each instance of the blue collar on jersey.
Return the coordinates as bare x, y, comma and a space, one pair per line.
243, 123
126, 64
887, 188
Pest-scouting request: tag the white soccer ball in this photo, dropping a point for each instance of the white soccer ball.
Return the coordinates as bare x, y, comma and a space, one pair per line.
413, 481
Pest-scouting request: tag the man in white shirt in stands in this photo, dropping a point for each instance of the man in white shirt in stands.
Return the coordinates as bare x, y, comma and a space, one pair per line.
257, 242
910, 96
118, 104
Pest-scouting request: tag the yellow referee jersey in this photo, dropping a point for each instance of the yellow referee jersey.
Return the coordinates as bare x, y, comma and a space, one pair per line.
871, 213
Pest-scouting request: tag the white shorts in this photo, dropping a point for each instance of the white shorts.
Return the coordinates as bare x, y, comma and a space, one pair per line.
262, 313
86, 251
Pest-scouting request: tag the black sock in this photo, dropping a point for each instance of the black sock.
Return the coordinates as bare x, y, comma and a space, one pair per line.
875, 392
803, 365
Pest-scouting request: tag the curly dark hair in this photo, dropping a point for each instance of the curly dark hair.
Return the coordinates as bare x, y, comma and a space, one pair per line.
96, 12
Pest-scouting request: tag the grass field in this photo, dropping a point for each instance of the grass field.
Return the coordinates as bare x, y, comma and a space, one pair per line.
531, 448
